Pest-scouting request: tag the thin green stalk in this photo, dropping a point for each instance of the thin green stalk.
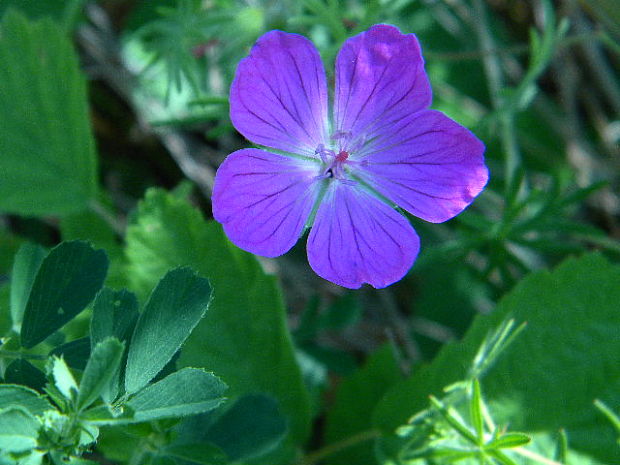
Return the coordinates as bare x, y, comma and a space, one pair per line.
489, 50
328, 14
598, 66
13, 354
339, 446
400, 327
534, 456
613, 418
98, 208
495, 79
138, 454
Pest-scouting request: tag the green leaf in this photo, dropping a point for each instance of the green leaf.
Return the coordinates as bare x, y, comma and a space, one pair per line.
63, 378
54, 394
114, 315
21, 371
67, 280
345, 311
202, 453
102, 365
243, 337
442, 281
493, 344
162, 460
106, 415
186, 392
452, 455
502, 458
18, 430
5, 317
91, 226
175, 307
27, 262
21, 396
475, 411
88, 434
549, 375
94, 226
9, 246
48, 164
613, 417
252, 427
74, 353
561, 450
308, 326
509, 440
35, 8
118, 444
79, 461
454, 420
355, 398
35, 457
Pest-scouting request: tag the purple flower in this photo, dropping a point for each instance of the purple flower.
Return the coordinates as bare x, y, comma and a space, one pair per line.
383, 148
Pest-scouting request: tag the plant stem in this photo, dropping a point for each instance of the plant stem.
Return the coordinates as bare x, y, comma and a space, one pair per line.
598, 65
495, 79
115, 224
400, 327
519, 49
336, 447
534, 456
138, 455
13, 354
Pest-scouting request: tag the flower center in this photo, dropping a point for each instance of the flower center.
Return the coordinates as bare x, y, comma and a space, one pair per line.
333, 163
342, 156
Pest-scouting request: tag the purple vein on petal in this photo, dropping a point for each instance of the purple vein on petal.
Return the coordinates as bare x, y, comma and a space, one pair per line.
278, 98
263, 199
381, 116
363, 105
354, 239
394, 81
427, 164
372, 128
317, 125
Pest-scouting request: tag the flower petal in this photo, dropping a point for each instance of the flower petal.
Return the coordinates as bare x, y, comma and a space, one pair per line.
279, 95
427, 164
356, 239
263, 200
380, 79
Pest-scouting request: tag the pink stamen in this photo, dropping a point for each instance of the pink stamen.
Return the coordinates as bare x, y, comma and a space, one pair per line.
342, 156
